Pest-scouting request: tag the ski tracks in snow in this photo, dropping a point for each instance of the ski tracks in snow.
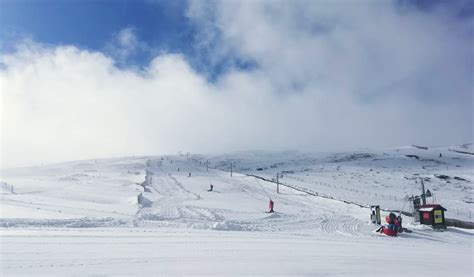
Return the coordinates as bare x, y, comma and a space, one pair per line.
174, 200
170, 202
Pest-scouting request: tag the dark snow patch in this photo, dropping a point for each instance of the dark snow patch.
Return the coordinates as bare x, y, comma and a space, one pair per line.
420, 147
351, 157
460, 179
442, 177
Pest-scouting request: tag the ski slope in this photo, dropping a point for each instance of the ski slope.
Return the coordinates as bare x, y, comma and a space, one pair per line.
191, 252
237, 203
93, 188
155, 216
385, 177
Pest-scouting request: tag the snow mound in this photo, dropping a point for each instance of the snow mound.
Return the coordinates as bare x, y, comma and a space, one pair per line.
232, 226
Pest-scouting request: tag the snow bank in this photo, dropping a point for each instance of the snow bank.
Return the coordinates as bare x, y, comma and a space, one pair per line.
66, 223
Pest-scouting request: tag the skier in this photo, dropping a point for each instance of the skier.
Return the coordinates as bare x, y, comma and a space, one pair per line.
210, 187
392, 222
189, 175
270, 206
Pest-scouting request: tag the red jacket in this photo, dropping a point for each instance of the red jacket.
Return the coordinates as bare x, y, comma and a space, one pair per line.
390, 221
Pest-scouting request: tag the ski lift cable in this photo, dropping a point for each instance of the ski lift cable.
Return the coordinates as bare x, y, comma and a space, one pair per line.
262, 188
208, 175
404, 204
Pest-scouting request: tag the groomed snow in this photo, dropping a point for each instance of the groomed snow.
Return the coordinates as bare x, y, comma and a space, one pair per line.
154, 216
167, 252
367, 177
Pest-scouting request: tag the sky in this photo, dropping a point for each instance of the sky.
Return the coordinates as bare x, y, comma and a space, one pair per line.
92, 79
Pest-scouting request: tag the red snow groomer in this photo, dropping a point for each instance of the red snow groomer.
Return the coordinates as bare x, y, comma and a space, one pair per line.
394, 225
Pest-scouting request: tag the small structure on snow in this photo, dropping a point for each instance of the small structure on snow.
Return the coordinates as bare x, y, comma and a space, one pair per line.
432, 214
375, 214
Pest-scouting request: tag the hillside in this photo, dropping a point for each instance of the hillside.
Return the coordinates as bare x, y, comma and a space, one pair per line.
367, 177
144, 215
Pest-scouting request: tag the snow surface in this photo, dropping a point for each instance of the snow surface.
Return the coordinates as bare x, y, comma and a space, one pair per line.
147, 216
165, 252
367, 177
95, 188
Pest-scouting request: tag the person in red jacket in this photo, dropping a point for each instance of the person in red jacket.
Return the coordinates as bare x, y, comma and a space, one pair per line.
393, 225
270, 206
394, 222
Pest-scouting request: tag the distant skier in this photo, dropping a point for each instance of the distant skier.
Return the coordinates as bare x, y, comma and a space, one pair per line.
189, 175
270, 206
211, 187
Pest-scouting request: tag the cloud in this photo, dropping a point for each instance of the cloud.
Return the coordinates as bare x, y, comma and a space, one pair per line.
374, 63
127, 39
326, 78
126, 47
362, 47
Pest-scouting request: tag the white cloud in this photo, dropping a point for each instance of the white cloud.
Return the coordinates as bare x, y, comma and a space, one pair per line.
328, 77
127, 38
125, 45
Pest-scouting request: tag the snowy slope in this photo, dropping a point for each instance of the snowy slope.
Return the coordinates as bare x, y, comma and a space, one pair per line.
370, 177
172, 198
95, 188
185, 252
154, 216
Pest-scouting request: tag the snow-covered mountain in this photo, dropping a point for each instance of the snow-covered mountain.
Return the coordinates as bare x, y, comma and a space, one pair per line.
368, 177
156, 215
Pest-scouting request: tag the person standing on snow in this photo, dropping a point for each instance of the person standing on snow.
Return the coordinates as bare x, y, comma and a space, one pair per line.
270, 206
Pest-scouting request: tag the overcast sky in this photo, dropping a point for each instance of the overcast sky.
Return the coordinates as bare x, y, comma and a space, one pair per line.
89, 79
